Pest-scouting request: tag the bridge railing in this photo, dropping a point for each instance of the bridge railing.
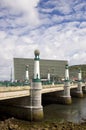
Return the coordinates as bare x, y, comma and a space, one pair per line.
13, 84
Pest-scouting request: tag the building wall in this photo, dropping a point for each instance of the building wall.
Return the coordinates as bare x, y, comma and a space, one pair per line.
55, 67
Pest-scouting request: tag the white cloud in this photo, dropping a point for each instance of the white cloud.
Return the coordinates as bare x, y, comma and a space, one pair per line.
64, 43
25, 7
20, 34
55, 42
80, 6
2, 35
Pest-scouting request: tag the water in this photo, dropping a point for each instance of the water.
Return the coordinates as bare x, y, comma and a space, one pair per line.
76, 112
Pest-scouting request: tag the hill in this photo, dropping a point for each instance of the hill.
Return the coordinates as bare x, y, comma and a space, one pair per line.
74, 70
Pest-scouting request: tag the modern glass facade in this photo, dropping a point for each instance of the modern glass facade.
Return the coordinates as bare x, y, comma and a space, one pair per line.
56, 68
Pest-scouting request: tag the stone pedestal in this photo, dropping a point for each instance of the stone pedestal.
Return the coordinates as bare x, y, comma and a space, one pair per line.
79, 92
35, 100
66, 96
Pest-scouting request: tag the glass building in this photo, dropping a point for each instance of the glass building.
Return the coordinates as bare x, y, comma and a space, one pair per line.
56, 68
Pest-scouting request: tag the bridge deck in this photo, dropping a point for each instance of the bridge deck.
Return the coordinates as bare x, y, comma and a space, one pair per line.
13, 92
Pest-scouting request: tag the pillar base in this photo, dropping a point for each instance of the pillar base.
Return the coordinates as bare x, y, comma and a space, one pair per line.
79, 94
64, 100
84, 90
67, 100
36, 113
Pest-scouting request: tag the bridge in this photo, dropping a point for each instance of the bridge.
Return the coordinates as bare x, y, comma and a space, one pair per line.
22, 91
15, 102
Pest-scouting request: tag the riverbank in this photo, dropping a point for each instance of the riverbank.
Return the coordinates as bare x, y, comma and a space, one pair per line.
15, 124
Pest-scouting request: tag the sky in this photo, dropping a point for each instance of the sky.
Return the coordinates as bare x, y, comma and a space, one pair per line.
57, 28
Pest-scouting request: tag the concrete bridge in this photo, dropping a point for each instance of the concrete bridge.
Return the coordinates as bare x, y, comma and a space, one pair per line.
22, 91
15, 101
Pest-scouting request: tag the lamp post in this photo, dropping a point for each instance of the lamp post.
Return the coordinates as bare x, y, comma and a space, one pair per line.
53, 76
48, 76
79, 88
11, 75
26, 74
36, 87
67, 96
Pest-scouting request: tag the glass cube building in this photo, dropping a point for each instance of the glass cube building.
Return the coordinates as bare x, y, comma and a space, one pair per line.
56, 68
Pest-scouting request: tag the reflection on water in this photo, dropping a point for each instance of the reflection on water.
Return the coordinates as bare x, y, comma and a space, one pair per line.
76, 112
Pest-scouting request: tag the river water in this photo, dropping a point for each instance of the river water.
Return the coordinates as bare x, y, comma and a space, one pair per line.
76, 112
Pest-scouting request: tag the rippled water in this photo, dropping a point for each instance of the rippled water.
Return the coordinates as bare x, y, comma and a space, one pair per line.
76, 112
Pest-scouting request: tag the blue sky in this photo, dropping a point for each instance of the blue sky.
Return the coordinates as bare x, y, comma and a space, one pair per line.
56, 27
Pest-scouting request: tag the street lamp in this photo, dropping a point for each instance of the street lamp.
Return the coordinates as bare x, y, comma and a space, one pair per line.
52, 76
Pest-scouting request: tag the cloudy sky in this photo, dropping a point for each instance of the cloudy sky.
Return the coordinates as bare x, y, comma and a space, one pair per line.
56, 27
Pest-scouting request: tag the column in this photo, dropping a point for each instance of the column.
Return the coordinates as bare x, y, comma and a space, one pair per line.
67, 96
26, 75
36, 88
48, 76
79, 92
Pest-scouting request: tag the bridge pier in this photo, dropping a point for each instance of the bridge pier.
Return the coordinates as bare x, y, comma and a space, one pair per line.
66, 95
36, 87
79, 92
84, 89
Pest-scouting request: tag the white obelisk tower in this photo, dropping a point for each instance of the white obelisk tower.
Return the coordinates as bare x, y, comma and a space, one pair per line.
37, 109
48, 76
67, 96
79, 88
27, 73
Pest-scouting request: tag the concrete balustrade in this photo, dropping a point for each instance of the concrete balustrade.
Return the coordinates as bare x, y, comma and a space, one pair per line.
19, 91
11, 88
